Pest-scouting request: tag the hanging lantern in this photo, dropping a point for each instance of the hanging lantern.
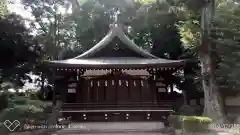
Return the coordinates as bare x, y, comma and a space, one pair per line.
112, 82
120, 82
98, 83
105, 83
91, 83
141, 82
134, 83
127, 83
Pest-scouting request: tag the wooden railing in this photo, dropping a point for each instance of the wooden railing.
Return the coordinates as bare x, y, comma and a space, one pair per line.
131, 105
134, 111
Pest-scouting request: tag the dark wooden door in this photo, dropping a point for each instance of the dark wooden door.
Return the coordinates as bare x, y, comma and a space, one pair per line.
118, 93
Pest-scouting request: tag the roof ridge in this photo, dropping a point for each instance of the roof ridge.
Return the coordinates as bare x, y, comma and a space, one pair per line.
116, 31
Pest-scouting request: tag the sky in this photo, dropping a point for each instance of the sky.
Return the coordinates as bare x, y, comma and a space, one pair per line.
18, 8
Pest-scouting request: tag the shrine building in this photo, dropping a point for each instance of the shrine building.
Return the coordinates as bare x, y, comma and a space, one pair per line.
115, 80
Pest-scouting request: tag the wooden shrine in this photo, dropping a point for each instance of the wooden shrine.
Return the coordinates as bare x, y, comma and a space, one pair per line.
115, 80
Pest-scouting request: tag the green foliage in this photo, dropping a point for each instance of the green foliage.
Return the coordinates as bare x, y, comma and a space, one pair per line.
36, 103
162, 24
196, 124
146, 1
176, 121
33, 96
55, 28
17, 113
18, 49
227, 38
25, 110
20, 100
190, 33
3, 101
3, 129
190, 123
3, 8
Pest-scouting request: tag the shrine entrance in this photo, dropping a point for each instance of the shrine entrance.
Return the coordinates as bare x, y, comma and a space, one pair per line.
116, 90
116, 97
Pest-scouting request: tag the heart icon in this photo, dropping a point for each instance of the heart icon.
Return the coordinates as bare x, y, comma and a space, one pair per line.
11, 126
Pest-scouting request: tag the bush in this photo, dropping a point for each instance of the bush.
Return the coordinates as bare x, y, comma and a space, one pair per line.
15, 113
176, 121
196, 124
20, 100
3, 129
36, 103
33, 96
3, 100
31, 109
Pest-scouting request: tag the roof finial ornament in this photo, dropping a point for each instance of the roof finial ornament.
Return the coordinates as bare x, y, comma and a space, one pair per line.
116, 17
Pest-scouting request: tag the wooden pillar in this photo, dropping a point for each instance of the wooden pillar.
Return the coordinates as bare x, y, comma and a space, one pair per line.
152, 84
54, 99
140, 89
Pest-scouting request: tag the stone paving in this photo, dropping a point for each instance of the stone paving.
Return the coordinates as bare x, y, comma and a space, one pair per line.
119, 128
112, 128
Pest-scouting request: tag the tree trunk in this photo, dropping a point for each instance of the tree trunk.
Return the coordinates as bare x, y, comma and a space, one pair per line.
213, 105
185, 98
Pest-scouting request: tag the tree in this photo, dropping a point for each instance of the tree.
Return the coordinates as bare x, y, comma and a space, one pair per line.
227, 37
19, 51
53, 24
213, 101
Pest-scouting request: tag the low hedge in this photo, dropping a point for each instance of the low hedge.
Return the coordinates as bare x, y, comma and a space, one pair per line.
196, 124
190, 123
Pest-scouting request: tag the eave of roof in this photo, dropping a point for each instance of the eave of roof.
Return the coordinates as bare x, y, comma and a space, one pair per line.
105, 72
121, 62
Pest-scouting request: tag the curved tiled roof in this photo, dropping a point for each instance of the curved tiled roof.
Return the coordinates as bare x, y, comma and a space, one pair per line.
87, 61
116, 31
